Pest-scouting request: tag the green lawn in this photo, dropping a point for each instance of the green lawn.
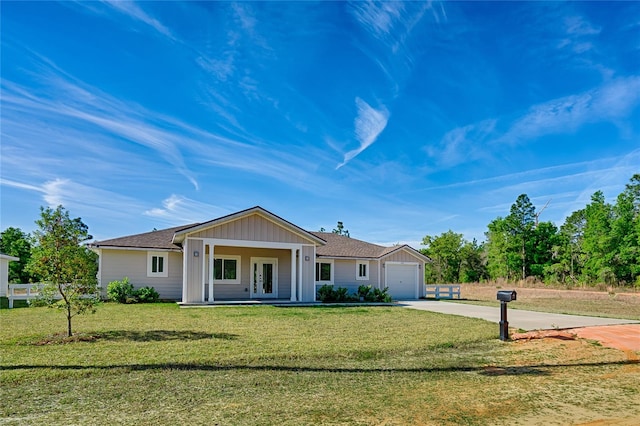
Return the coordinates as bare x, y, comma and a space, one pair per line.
575, 302
159, 364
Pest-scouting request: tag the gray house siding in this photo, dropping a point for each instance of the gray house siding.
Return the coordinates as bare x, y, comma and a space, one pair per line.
117, 264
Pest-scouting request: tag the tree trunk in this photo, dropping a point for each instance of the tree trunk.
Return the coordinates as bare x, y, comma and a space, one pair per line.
69, 320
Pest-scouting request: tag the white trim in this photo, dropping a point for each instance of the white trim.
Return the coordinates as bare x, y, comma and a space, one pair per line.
294, 277
249, 243
165, 264
333, 269
8, 257
299, 277
99, 273
262, 260
185, 275
176, 250
210, 263
313, 275
416, 264
224, 257
365, 277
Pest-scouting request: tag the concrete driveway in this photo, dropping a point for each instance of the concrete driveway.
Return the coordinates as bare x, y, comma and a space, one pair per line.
519, 319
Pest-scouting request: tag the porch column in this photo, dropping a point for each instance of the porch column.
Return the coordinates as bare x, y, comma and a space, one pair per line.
293, 275
185, 288
210, 260
299, 274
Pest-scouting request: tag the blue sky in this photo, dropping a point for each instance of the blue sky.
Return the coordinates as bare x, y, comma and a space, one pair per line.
399, 119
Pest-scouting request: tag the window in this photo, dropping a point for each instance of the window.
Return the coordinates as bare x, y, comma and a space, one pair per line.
157, 264
324, 272
362, 270
226, 269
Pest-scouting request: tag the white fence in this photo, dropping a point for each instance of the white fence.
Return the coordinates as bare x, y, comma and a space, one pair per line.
23, 292
443, 291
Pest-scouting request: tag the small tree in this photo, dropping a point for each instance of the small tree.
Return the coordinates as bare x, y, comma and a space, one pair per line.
67, 268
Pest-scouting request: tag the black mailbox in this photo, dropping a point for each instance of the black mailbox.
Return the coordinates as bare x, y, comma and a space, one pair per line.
507, 295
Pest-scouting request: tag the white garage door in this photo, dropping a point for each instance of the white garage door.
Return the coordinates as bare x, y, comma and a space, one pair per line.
402, 281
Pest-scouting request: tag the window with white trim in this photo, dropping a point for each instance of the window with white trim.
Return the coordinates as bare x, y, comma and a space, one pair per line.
324, 272
157, 264
226, 269
362, 270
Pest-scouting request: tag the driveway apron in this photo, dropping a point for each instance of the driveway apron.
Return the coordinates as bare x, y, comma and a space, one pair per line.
519, 319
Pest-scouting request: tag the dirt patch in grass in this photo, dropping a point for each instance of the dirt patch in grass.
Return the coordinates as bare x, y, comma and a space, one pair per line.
63, 339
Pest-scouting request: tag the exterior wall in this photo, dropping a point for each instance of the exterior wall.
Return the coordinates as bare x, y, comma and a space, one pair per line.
308, 274
192, 292
117, 264
345, 274
243, 290
252, 228
4, 277
403, 256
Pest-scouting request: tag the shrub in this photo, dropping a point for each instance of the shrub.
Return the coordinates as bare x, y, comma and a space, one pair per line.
147, 295
381, 295
326, 293
364, 292
121, 291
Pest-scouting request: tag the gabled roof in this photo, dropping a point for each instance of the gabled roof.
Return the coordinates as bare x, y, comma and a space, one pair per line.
155, 240
180, 235
339, 246
328, 244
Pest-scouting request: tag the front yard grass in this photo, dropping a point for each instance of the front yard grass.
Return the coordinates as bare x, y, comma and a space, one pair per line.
574, 302
261, 365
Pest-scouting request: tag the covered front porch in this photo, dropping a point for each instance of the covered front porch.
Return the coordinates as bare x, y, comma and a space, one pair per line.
223, 270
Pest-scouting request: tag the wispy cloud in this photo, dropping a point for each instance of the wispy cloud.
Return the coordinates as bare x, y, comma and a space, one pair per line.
80, 197
179, 210
369, 123
462, 144
611, 102
129, 9
71, 103
578, 32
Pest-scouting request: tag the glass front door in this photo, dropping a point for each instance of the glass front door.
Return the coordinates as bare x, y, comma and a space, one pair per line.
264, 278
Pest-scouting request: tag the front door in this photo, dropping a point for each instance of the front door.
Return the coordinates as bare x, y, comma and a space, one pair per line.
264, 276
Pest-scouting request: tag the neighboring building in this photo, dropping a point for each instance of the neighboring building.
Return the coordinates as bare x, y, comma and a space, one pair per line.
254, 254
4, 273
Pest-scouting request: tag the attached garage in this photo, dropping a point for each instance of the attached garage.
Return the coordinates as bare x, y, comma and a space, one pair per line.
402, 280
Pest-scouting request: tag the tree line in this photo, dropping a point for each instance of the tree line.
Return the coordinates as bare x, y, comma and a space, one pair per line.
598, 244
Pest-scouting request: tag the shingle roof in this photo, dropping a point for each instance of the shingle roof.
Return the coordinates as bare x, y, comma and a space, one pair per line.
346, 247
160, 240
341, 246
337, 246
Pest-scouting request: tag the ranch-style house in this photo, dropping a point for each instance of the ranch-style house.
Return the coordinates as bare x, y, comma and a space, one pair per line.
254, 254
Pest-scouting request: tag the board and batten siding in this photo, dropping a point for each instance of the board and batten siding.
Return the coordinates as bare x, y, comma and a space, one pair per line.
193, 288
406, 257
251, 228
117, 264
308, 273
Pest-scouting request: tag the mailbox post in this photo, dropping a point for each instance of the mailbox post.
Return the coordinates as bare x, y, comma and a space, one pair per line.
505, 296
